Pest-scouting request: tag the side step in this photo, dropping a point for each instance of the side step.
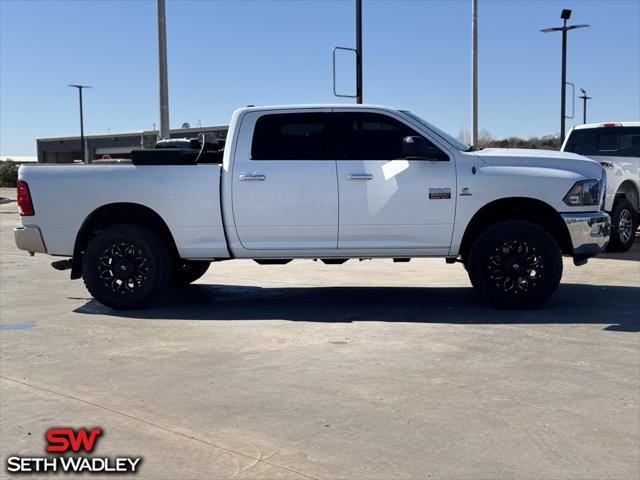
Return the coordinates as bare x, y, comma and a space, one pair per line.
272, 261
333, 261
63, 264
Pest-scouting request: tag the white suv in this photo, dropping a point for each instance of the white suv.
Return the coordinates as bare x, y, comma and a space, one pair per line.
616, 146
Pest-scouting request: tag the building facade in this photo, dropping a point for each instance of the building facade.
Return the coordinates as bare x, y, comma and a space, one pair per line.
113, 145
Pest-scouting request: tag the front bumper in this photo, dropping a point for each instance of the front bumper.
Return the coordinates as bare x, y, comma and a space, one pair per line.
589, 234
29, 239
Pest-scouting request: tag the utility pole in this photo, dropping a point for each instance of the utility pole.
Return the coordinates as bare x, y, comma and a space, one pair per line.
82, 146
584, 99
474, 72
565, 15
358, 51
563, 91
162, 65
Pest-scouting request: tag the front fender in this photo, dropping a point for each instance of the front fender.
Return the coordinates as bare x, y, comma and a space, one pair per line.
491, 184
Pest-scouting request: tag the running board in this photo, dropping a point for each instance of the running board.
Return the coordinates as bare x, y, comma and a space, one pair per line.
272, 261
62, 264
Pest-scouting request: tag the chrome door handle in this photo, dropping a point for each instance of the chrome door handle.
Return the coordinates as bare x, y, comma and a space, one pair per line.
252, 178
359, 176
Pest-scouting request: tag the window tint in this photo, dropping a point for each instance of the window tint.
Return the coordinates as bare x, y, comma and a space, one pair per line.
373, 136
629, 145
611, 141
608, 142
290, 136
584, 142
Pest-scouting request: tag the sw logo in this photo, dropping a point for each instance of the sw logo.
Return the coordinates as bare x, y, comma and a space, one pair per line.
63, 444
65, 439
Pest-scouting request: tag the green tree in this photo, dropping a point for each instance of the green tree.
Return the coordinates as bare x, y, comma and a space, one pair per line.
8, 173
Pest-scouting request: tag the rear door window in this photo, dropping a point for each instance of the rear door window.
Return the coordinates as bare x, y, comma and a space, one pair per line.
291, 136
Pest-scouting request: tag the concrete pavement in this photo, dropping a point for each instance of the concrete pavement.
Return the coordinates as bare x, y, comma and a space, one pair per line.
369, 370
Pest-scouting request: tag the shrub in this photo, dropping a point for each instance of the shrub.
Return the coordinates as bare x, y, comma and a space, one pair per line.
8, 174
485, 139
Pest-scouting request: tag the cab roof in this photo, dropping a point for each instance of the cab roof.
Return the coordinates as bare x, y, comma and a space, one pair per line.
318, 106
587, 126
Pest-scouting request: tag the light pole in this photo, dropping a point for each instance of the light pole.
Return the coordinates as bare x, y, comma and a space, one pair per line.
474, 72
584, 99
162, 67
565, 15
80, 87
358, 51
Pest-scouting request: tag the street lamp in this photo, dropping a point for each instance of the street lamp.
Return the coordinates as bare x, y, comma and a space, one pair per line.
565, 15
358, 51
80, 87
584, 99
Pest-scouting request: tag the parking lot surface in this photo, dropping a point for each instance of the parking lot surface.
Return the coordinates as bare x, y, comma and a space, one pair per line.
369, 370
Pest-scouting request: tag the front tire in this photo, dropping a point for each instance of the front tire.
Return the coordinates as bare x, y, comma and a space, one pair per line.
126, 266
625, 223
515, 264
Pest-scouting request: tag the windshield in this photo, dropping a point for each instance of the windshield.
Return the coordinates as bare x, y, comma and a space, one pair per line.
453, 141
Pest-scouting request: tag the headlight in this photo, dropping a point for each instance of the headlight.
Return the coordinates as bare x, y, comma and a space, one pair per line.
586, 192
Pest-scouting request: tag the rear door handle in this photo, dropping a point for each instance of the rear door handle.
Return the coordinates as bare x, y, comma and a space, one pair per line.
252, 178
359, 176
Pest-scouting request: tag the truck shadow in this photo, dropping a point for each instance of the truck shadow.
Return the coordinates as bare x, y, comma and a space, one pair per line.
616, 307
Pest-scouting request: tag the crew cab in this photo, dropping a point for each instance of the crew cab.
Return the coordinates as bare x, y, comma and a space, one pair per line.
327, 182
616, 145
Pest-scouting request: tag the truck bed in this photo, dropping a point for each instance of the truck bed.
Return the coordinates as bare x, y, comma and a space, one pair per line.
187, 197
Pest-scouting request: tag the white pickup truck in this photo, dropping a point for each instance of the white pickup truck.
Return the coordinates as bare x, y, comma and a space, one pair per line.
328, 182
616, 145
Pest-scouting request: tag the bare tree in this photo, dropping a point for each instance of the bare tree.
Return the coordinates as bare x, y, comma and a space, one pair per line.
464, 136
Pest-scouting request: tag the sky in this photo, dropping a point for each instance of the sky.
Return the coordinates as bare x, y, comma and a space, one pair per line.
227, 54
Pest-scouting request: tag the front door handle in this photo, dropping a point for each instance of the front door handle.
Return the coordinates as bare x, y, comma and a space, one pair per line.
252, 178
359, 176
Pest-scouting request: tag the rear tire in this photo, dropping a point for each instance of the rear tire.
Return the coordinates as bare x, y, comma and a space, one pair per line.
188, 271
126, 266
515, 264
624, 221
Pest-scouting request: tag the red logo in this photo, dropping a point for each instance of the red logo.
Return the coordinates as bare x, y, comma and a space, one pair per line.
65, 439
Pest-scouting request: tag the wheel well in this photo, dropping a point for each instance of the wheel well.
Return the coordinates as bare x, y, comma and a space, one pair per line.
517, 208
117, 213
629, 190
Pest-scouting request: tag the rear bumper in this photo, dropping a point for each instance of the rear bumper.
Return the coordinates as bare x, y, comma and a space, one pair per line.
589, 233
29, 239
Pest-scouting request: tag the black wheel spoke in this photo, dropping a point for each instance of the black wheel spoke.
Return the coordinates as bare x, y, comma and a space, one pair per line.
515, 266
123, 267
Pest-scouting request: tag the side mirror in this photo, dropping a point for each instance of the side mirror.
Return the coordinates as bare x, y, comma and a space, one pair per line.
419, 148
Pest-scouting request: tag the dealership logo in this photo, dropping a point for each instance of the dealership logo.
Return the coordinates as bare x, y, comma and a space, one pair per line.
64, 439
68, 444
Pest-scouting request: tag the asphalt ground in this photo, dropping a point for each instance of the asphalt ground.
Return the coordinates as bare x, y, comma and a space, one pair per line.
368, 370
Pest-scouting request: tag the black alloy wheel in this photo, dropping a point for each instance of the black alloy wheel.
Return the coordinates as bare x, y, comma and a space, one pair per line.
515, 264
126, 266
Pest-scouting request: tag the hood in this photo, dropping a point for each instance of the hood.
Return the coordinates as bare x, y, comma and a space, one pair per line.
523, 157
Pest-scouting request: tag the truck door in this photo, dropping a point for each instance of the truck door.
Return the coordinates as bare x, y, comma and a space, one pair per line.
285, 194
388, 201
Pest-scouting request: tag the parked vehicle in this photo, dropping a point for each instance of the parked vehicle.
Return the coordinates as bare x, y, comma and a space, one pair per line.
616, 145
321, 182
